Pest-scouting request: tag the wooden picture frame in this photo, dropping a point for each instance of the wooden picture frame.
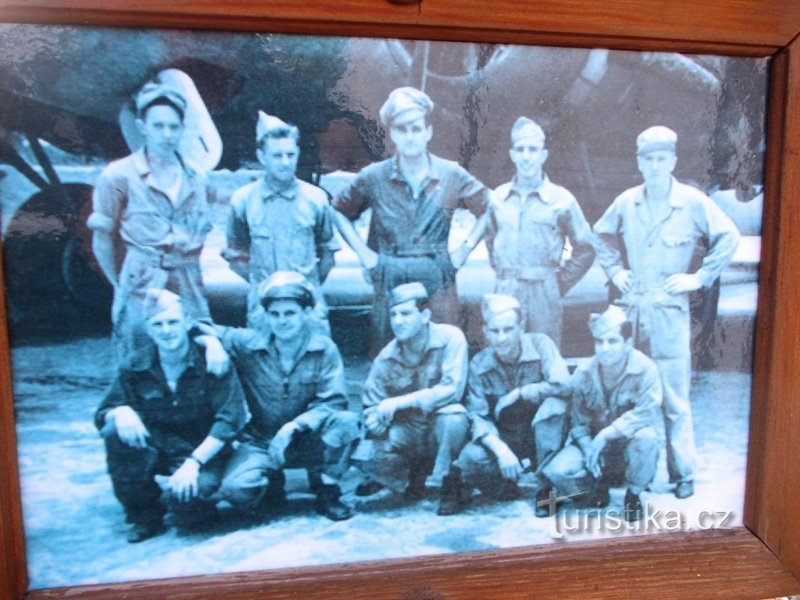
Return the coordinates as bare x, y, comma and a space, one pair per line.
759, 560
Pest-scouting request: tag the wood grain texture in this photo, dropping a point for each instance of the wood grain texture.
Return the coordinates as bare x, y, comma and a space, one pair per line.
713, 564
735, 26
720, 564
772, 507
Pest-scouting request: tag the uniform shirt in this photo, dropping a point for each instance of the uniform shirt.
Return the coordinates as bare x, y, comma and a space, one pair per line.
526, 233
280, 231
490, 379
126, 200
306, 394
632, 403
437, 380
655, 249
201, 405
402, 224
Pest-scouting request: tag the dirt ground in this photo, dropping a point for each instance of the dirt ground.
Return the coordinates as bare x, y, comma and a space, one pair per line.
75, 530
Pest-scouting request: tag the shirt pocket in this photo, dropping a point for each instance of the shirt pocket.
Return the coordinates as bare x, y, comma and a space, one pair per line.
677, 249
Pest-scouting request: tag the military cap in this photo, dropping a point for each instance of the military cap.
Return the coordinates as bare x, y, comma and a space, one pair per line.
611, 318
157, 301
152, 92
406, 101
495, 304
267, 124
408, 291
526, 128
286, 285
656, 138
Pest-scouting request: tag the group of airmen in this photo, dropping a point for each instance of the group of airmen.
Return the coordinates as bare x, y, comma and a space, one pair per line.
201, 413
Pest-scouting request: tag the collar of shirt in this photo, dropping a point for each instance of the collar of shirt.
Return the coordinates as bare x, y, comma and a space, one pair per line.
313, 342
528, 354
545, 191
437, 338
635, 365
434, 169
143, 167
676, 198
153, 368
267, 192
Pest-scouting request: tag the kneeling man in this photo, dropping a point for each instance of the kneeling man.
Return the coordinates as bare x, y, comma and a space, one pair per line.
293, 378
412, 398
517, 402
615, 402
170, 418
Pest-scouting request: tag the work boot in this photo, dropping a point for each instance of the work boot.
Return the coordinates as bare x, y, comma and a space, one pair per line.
451, 500
368, 487
684, 489
597, 498
274, 501
144, 530
415, 490
633, 507
509, 490
329, 505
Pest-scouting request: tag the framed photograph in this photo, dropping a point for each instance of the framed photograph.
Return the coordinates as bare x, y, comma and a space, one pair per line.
592, 94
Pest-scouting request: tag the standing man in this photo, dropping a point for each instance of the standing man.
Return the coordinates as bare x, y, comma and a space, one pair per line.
530, 221
170, 418
615, 400
412, 398
293, 378
280, 223
413, 196
156, 205
517, 402
658, 242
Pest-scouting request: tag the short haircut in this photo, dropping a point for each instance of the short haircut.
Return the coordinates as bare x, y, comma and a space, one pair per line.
279, 133
161, 101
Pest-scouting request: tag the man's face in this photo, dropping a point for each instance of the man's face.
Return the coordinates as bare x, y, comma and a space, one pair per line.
162, 129
407, 320
169, 329
611, 348
279, 157
528, 155
503, 332
286, 319
411, 137
656, 167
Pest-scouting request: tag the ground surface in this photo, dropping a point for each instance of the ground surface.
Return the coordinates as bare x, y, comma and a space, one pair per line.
75, 533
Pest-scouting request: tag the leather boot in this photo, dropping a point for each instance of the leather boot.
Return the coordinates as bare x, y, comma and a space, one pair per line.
329, 505
451, 501
633, 507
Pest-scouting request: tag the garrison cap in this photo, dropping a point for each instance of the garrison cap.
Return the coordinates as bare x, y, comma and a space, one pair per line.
151, 92
656, 138
526, 128
157, 301
407, 101
268, 124
495, 304
286, 285
408, 291
611, 318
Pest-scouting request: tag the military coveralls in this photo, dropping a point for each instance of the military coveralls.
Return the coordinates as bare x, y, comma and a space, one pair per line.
653, 250
431, 433
410, 234
311, 393
284, 230
162, 243
631, 407
178, 422
534, 427
526, 239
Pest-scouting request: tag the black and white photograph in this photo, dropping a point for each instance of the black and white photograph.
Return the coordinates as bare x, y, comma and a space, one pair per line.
281, 301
